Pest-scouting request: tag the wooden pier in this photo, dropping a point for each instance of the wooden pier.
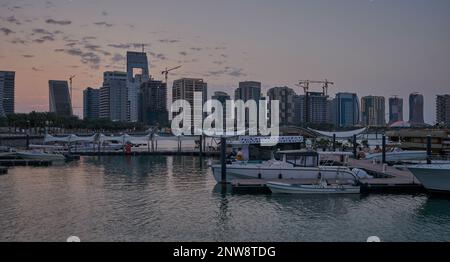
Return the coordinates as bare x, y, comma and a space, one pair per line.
388, 179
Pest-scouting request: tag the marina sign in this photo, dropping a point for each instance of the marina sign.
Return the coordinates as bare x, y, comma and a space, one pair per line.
250, 140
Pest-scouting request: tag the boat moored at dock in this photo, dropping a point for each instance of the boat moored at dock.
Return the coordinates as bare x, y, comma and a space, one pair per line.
398, 155
320, 188
294, 164
37, 155
434, 177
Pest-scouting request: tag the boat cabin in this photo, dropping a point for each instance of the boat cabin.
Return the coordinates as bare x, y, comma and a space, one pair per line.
309, 158
300, 158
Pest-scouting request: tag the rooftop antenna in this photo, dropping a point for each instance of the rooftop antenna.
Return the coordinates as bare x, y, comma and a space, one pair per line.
143, 48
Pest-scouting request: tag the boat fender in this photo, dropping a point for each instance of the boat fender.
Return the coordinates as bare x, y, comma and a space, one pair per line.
259, 176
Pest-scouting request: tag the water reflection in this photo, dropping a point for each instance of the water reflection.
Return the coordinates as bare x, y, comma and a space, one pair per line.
149, 198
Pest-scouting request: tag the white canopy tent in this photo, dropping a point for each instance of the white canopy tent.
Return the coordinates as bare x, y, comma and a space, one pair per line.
68, 139
176, 138
125, 139
341, 135
75, 138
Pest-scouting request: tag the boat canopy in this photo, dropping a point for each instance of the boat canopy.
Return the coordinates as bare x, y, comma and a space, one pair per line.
125, 139
345, 134
176, 138
298, 152
68, 139
331, 153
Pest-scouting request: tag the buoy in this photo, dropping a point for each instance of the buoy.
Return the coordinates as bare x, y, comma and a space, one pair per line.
128, 149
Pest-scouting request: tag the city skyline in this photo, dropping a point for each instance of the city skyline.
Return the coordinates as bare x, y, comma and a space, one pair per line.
380, 48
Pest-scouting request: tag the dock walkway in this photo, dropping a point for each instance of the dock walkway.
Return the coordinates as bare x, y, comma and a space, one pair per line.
24, 162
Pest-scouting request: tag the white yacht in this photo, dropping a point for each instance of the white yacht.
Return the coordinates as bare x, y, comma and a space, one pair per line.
294, 164
398, 155
434, 177
321, 188
37, 155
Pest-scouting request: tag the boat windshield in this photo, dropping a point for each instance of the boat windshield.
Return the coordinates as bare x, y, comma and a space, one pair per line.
303, 160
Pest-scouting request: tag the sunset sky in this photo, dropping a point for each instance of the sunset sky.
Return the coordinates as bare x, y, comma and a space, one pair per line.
377, 47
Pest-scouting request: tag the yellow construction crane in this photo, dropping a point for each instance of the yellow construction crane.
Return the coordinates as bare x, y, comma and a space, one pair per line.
166, 73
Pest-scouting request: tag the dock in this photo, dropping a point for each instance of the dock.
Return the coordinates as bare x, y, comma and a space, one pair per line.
391, 180
3, 171
150, 153
23, 162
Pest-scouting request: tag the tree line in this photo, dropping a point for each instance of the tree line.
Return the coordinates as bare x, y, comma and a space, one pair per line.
40, 122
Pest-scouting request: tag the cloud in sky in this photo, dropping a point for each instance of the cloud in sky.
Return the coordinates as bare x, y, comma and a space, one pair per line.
234, 72
168, 41
87, 38
19, 41
118, 58
13, 20
43, 39
376, 61
237, 72
96, 48
120, 46
89, 58
6, 31
35, 69
104, 24
58, 22
41, 31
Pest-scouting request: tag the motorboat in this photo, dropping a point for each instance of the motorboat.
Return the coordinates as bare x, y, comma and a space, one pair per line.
398, 156
293, 164
320, 188
37, 155
91, 147
434, 177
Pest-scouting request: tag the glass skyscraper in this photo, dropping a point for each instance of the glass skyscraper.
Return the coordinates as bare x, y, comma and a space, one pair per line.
347, 109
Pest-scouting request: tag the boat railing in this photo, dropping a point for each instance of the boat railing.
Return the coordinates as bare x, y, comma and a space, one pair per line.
328, 162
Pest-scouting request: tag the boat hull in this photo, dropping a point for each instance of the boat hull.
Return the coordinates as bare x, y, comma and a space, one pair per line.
398, 156
42, 156
435, 179
274, 173
283, 188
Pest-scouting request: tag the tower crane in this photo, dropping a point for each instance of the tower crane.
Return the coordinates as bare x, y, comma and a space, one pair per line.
71, 89
305, 85
166, 72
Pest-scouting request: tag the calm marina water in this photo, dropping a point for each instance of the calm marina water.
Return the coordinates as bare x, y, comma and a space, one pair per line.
145, 198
